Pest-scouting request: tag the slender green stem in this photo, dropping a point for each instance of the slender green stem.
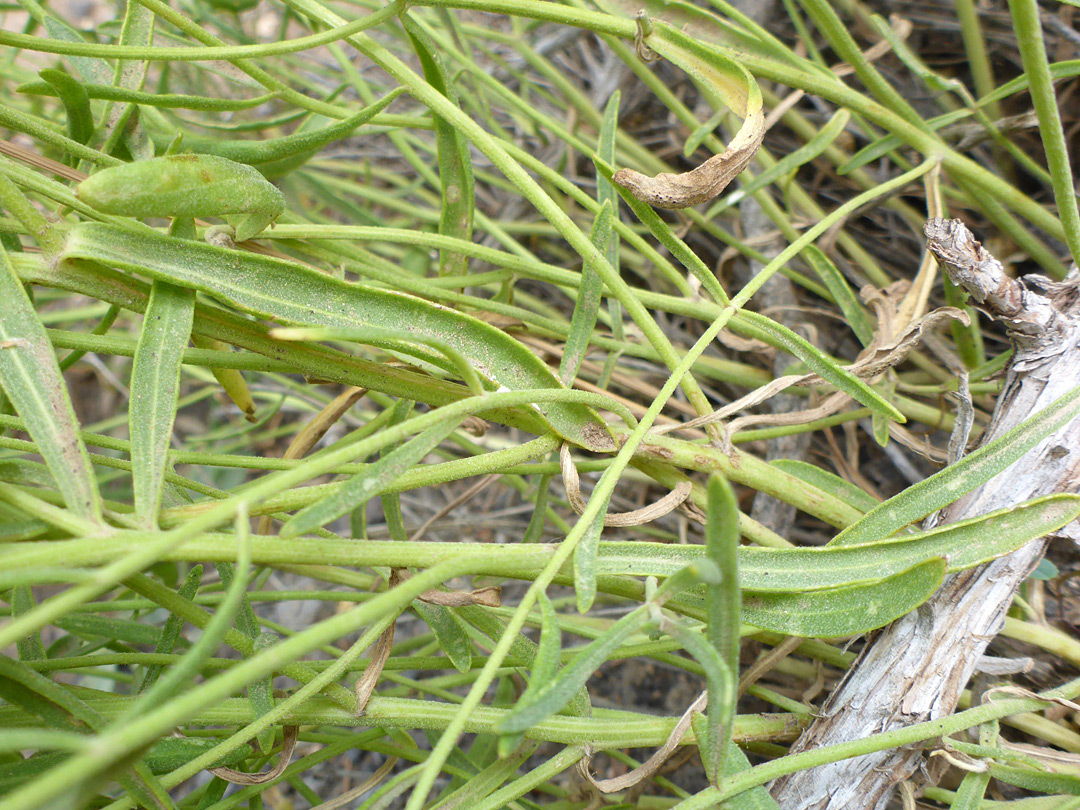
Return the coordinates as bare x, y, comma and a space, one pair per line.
1029, 37
908, 735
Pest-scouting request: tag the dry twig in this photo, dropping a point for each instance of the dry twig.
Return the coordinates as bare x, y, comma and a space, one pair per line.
916, 668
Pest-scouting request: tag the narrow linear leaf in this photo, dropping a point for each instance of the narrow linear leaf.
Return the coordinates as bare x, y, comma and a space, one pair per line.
261, 692
398, 340
455, 164
90, 68
164, 100
818, 362
721, 546
972, 790
585, 552
555, 694
826, 481
76, 101
847, 611
482, 784
721, 684
757, 798
277, 156
170, 631
606, 192
155, 388
364, 486
123, 121
104, 627
966, 543
181, 674
30, 376
31, 648
170, 753
544, 667
298, 294
663, 233
1041, 781
974, 470
723, 603
841, 292
449, 632
882, 146
522, 649
583, 320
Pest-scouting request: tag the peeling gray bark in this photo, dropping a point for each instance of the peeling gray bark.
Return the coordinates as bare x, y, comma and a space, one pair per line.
917, 667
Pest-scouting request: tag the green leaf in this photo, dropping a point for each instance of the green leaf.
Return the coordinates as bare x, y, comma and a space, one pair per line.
155, 386
80, 120
663, 233
583, 320
606, 192
546, 663
123, 122
170, 753
1041, 781
398, 340
455, 164
260, 692
966, 544
90, 68
170, 631
31, 648
721, 546
818, 362
970, 794
185, 186
555, 694
294, 293
544, 667
449, 632
522, 649
841, 292
721, 684
882, 146
373, 481
847, 611
585, 568
826, 481
756, 798
1045, 570
277, 156
180, 675
723, 605
105, 627
31, 378
164, 100
974, 470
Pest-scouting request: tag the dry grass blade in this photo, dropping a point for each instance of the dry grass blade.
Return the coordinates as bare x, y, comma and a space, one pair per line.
352, 794
653, 763
288, 743
365, 684
636, 517
675, 191
314, 430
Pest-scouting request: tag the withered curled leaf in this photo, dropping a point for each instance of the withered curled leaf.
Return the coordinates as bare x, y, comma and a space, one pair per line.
724, 82
704, 183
